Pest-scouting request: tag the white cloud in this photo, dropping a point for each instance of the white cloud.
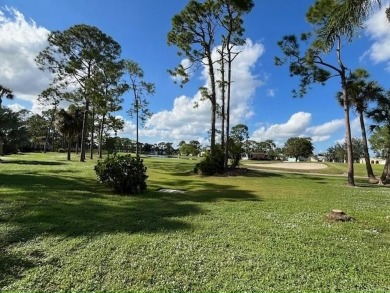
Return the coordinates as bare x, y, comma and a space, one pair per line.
378, 29
270, 92
183, 122
129, 129
20, 41
323, 132
299, 125
16, 107
244, 82
355, 131
355, 128
295, 126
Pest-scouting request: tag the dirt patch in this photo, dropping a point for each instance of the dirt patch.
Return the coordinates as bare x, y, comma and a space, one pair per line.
291, 165
338, 216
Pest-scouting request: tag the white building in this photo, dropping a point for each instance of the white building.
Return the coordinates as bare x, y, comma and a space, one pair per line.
374, 161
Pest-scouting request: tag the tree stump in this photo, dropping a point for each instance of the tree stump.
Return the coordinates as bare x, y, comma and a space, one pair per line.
338, 216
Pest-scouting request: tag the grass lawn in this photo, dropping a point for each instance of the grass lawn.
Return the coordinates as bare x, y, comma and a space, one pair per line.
260, 231
332, 168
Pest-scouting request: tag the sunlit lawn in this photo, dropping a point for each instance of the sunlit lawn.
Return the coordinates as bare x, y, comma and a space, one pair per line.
62, 231
333, 168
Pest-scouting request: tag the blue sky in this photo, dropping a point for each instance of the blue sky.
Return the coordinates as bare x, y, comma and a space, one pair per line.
262, 92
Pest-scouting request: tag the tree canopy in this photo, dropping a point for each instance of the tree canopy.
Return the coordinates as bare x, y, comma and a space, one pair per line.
76, 57
297, 147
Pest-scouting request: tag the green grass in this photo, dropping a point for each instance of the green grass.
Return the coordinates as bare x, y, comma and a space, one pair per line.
262, 231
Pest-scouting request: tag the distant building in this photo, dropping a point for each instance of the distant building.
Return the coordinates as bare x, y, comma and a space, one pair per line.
318, 158
374, 161
259, 156
300, 159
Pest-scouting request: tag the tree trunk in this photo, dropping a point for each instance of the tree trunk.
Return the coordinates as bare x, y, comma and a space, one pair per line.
228, 98
385, 173
370, 173
213, 100
69, 147
1, 147
92, 133
84, 132
137, 134
223, 94
386, 169
53, 141
348, 140
46, 140
101, 138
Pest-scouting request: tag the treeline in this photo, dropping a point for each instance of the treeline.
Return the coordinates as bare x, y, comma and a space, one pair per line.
90, 75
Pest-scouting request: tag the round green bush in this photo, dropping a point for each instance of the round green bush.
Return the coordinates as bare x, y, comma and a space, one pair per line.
122, 173
211, 165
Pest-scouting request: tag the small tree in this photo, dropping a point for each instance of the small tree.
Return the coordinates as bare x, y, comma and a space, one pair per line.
381, 116
140, 89
37, 129
69, 123
378, 141
51, 97
191, 148
13, 132
239, 136
298, 147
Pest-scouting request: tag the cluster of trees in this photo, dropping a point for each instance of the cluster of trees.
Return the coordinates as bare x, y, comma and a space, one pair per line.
338, 152
335, 23
25, 131
192, 148
88, 73
196, 31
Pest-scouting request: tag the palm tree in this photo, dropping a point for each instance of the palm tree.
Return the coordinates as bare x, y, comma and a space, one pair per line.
6, 93
70, 125
381, 115
360, 93
349, 17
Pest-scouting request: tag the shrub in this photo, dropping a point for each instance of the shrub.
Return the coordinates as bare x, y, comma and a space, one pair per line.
122, 173
211, 165
61, 150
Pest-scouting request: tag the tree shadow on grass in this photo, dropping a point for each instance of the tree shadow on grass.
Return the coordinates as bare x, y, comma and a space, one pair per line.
11, 267
360, 182
29, 162
262, 174
33, 205
72, 206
